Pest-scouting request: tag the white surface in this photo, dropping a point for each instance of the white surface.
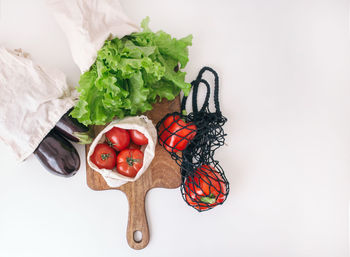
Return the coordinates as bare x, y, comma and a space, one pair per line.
285, 73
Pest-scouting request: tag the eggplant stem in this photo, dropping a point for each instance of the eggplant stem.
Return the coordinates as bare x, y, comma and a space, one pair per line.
84, 137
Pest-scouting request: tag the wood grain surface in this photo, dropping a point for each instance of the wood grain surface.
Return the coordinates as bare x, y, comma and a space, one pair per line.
163, 172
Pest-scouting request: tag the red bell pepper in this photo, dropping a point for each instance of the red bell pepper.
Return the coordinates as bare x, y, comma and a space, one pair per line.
206, 189
175, 134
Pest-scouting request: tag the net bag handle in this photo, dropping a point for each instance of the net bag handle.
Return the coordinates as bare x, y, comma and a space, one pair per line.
195, 85
195, 96
216, 87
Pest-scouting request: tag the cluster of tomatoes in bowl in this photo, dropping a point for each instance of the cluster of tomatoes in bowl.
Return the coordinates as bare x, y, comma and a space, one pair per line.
121, 150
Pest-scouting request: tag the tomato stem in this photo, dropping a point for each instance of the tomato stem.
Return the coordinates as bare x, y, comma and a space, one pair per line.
130, 160
109, 142
105, 156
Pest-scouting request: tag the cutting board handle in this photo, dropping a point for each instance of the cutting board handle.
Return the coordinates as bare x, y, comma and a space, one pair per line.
137, 221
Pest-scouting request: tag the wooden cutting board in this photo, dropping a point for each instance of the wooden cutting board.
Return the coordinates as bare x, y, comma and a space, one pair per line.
162, 172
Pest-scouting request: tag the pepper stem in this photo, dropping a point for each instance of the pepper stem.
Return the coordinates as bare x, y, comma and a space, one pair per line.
208, 199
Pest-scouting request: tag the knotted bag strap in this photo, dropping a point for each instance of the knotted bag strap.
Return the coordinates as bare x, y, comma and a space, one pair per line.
195, 83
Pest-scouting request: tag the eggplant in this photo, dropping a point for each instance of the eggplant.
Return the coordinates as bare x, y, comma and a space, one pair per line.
58, 155
73, 130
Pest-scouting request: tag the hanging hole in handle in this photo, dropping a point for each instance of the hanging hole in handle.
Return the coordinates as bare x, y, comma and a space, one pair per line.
137, 236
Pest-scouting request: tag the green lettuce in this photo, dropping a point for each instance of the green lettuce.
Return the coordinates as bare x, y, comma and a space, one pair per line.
130, 74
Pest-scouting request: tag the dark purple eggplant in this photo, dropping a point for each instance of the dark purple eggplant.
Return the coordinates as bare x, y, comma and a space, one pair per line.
58, 155
73, 130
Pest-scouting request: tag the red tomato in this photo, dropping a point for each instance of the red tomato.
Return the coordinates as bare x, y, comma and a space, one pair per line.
129, 162
137, 137
118, 138
104, 156
175, 134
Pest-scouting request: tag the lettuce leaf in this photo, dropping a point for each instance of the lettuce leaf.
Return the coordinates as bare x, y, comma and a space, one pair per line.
130, 74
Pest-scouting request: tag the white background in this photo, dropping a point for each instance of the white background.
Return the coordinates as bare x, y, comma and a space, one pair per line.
285, 88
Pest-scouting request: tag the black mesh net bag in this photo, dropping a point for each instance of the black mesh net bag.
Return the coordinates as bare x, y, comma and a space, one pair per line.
192, 140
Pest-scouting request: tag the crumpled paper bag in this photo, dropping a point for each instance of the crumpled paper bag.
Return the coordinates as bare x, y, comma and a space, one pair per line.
33, 99
143, 125
88, 23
